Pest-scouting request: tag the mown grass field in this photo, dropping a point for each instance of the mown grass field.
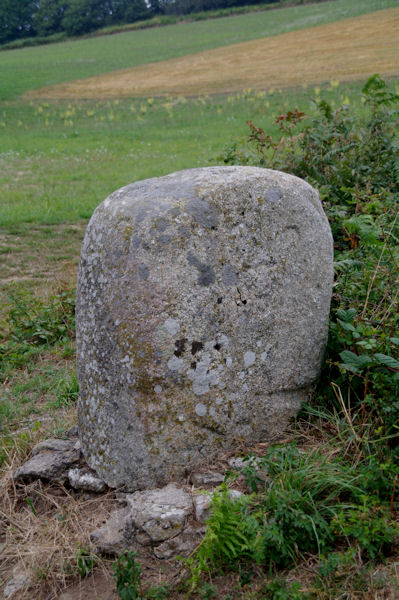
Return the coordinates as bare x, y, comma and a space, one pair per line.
58, 160
346, 51
31, 68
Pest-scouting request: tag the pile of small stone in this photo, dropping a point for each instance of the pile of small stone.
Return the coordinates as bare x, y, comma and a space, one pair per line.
170, 520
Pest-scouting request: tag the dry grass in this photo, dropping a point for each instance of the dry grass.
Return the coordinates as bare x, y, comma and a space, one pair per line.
36, 254
348, 50
45, 543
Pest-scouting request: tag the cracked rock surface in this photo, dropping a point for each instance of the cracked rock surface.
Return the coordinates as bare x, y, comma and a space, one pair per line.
151, 518
51, 460
202, 316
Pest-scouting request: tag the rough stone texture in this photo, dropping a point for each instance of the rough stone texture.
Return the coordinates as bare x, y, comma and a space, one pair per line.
56, 445
209, 478
51, 460
110, 538
202, 504
85, 479
21, 580
150, 517
202, 311
159, 513
181, 545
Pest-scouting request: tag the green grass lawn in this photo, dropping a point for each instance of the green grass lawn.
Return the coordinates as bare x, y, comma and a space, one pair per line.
30, 68
59, 161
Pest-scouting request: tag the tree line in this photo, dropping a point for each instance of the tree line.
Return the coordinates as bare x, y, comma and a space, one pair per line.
31, 18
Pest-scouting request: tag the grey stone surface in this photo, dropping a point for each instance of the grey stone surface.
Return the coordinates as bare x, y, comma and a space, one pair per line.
202, 504
55, 445
110, 538
181, 545
208, 478
85, 479
150, 518
51, 460
160, 513
21, 580
202, 314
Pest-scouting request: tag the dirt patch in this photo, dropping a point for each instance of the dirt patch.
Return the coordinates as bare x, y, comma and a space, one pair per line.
99, 586
40, 257
348, 50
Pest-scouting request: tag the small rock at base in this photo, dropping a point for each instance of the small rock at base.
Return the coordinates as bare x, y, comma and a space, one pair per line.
51, 460
85, 479
53, 445
110, 538
181, 545
160, 512
22, 579
210, 478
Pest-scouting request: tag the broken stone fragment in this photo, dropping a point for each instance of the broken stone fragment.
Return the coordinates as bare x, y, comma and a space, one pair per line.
51, 460
85, 479
56, 445
209, 478
110, 538
160, 513
202, 503
180, 545
150, 517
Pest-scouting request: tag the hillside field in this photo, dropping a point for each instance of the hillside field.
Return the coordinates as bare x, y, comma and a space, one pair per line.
31, 68
347, 50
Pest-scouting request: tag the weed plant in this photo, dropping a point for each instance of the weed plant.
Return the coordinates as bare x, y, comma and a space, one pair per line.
34, 325
127, 573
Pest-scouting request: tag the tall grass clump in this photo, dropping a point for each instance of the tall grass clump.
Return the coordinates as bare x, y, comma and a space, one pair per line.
336, 502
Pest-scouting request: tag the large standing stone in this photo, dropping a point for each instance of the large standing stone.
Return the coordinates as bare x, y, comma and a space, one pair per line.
202, 310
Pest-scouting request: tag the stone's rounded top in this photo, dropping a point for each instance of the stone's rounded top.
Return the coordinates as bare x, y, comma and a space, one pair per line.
202, 313
153, 196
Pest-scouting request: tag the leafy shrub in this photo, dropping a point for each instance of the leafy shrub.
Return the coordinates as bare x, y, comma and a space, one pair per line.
34, 324
127, 572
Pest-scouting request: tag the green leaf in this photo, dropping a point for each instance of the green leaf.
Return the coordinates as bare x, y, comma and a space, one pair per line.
387, 361
353, 362
346, 326
346, 315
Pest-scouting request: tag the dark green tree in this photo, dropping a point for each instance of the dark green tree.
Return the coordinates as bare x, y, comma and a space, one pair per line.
136, 10
83, 16
16, 19
49, 16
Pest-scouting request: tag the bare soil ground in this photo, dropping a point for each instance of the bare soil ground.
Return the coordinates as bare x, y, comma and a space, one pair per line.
348, 50
40, 256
